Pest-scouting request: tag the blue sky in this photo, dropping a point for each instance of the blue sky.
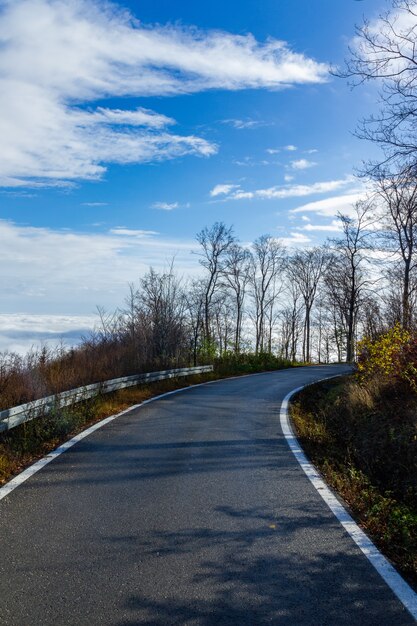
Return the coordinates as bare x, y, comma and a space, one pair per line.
127, 127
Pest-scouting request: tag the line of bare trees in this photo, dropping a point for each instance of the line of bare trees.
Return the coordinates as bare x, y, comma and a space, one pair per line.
313, 304
309, 305
306, 305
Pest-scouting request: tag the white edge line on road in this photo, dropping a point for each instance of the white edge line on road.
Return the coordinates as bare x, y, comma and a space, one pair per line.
393, 579
38, 465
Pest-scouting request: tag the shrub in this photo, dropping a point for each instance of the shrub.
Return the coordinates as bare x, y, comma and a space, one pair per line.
383, 354
249, 362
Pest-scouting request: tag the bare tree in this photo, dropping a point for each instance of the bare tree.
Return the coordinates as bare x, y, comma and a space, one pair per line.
267, 262
215, 242
385, 52
372, 320
399, 218
305, 269
162, 301
194, 299
345, 280
290, 323
236, 272
223, 313
295, 308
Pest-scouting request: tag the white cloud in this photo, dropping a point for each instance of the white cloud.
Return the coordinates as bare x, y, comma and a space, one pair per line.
290, 191
290, 148
244, 124
288, 178
50, 271
302, 164
95, 203
220, 190
397, 29
165, 206
330, 207
249, 161
20, 332
59, 55
273, 150
296, 239
129, 232
334, 226
244, 195
138, 117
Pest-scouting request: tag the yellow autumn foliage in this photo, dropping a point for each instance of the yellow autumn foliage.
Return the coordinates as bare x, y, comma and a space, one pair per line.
381, 355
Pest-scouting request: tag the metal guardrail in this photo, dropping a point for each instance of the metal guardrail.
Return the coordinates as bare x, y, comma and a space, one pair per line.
9, 418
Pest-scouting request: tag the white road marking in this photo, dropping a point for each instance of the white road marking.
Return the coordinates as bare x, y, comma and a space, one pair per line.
398, 585
393, 579
38, 465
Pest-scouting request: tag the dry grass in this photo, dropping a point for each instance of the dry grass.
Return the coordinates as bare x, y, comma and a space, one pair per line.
363, 440
49, 371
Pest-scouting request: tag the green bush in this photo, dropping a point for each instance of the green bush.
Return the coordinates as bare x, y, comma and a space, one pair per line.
248, 363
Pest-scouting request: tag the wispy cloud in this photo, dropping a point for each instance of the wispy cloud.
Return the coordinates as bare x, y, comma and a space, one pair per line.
334, 226
290, 148
245, 124
95, 203
330, 207
302, 164
62, 57
165, 206
130, 232
222, 190
296, 239
235, 192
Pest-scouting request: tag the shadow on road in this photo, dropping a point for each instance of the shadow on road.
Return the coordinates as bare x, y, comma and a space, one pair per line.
246, 588
253, 585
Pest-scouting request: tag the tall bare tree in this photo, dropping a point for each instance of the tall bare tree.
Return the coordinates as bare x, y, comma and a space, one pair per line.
215, 242
290, 323
385, 52
305, 269
224, 323
268, 256
236, 272
194, 299
161, 299
399, 218
346, 280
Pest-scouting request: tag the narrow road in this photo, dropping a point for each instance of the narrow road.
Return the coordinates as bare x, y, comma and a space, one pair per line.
191, 510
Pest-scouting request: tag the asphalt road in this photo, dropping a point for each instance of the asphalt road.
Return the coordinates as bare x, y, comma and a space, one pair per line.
191, 510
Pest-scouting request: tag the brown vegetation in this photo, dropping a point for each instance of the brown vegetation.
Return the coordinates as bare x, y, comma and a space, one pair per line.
363, 438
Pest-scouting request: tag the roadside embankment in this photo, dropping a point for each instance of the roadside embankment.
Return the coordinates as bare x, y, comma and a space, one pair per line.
362, 436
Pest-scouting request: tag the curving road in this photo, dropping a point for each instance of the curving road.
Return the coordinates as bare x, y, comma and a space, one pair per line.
190, 510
